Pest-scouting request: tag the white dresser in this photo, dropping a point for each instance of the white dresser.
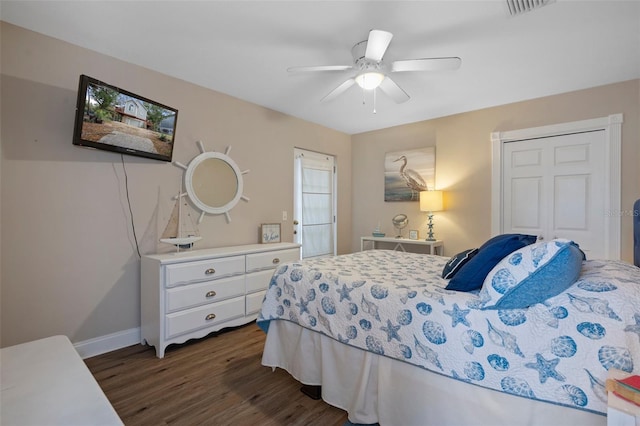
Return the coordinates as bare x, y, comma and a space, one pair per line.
189, 294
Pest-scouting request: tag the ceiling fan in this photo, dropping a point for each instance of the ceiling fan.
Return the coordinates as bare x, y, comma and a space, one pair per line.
372, 72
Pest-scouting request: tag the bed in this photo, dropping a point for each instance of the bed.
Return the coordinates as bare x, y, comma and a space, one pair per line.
389, 343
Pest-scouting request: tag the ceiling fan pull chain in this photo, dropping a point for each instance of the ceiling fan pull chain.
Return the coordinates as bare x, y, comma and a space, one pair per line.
374, 101
363, 96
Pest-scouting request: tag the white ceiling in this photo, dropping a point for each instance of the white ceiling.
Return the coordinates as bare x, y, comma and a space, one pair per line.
243, 48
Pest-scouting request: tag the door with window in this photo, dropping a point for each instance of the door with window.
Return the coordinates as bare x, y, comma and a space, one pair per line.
314, 213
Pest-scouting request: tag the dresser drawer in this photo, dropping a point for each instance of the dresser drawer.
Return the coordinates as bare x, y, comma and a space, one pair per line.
271, 259
257, 281
203, 316
188, 296
254, 302
202, 270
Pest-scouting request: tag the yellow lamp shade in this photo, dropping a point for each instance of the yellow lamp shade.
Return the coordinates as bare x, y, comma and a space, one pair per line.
431, 201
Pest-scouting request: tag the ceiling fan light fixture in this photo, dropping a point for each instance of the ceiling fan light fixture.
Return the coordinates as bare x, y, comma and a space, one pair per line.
369, 80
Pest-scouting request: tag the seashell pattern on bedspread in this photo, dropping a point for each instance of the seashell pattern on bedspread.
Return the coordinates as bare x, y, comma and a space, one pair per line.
395, 304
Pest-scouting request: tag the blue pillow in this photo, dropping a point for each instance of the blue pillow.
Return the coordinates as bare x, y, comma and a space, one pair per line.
456, 262
472, 274
532, 275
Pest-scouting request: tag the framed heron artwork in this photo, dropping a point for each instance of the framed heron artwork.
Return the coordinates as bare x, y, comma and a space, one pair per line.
406, 173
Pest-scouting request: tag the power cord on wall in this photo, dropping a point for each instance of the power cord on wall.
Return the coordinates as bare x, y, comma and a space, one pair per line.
126, 185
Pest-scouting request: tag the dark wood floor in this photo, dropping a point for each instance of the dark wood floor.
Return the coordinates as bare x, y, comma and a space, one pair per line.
218, 380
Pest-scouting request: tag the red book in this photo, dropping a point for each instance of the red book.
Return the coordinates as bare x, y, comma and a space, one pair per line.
632, 382
628, 388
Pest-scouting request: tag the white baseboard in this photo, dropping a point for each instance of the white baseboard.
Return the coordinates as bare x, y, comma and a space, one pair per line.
108, 343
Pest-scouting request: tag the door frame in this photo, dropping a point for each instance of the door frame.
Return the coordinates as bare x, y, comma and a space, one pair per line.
334, 197
612, 126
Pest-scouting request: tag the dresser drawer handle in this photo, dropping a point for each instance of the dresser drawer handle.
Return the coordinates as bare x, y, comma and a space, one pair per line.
210, 293
210, 271
275, 261
210, 317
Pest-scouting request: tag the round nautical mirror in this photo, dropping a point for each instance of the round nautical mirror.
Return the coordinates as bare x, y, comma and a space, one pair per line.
214, 183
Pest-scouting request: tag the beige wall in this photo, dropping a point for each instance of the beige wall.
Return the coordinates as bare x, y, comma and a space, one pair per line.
69, 261
463, 162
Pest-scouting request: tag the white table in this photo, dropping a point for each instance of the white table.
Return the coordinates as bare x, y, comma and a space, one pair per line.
45, 382
435, 247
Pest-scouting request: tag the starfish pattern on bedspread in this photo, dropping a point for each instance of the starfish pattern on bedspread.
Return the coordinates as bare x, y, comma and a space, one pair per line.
458, 316
392, 331
344, 292
546, 368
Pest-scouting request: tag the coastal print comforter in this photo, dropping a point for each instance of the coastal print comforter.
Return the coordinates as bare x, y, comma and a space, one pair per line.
395, 304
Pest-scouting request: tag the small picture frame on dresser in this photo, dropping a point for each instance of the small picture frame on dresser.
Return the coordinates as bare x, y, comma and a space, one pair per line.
269, 233
413, 234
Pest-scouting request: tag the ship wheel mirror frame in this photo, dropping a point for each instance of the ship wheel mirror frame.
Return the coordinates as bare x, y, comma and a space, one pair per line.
213, 182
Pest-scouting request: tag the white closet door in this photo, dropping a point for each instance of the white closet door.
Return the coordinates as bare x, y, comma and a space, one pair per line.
554, 188
314, 203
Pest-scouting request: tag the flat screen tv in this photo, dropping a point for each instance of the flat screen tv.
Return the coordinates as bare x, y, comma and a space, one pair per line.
113, 119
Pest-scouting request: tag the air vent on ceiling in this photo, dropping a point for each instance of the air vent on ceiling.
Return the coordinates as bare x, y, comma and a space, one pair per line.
518, 7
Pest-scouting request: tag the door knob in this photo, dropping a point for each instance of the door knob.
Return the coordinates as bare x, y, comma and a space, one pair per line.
295, 222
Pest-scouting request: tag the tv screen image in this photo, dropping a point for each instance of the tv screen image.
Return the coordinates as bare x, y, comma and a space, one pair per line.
116, 120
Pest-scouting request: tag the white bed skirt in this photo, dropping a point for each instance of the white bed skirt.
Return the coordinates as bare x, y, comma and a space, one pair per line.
378, 389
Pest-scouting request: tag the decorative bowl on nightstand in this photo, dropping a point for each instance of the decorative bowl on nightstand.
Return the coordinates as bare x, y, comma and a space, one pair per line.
378, 234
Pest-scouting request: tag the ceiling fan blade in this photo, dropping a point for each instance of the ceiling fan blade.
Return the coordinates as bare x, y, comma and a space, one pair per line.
377, 44
394, 91
427, 64
338, 90
320, 68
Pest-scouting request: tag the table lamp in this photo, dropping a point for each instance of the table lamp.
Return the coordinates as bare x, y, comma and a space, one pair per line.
430, 201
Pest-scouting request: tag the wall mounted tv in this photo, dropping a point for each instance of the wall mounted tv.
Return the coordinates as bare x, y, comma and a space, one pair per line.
113, 119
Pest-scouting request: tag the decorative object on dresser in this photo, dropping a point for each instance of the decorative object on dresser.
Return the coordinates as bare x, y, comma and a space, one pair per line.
191, 294
175, 232
213, 182
430, 201
415, 173
270, 233
413, 234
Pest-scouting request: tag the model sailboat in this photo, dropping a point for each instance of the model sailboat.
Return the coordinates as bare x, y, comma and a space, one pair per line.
175, 233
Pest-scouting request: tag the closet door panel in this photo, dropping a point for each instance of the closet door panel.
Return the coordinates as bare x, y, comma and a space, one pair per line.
553, 187
526, 202
571, 203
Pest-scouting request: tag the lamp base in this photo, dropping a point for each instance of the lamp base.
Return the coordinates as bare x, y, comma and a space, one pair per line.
430, 236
